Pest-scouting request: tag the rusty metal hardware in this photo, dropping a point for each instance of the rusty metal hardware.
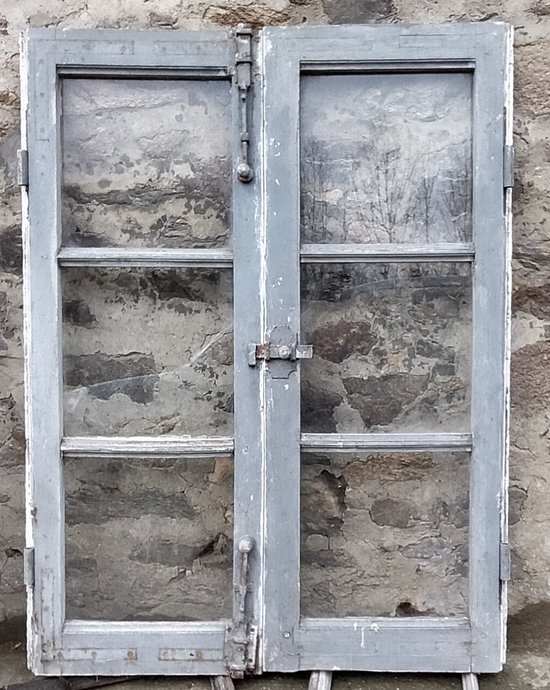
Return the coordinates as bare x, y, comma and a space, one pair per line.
243, 80
242, 634
267, 351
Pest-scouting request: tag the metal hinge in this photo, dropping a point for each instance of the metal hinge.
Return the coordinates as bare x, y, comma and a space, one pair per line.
509, 158
267, 351
28, 567
23, 168
241, 635
243, 81
505, 562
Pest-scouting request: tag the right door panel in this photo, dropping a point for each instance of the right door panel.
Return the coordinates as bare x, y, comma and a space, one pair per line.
401, 262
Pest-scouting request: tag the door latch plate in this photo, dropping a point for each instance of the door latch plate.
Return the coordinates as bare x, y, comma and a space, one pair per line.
268, 351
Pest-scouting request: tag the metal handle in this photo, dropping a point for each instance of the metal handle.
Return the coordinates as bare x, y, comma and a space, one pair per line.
246, 544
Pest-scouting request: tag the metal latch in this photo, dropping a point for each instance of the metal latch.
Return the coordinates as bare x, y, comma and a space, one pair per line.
243, 80
242, 635
267, 351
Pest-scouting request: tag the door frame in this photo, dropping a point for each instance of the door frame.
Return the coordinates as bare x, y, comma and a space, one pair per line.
267, 438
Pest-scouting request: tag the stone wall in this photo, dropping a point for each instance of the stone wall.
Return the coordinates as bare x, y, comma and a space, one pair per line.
333, 489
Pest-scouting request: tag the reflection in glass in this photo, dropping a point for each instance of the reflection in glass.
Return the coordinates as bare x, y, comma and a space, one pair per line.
386, 158
384, 534
148, 352
148, 539
391, 347
146, 162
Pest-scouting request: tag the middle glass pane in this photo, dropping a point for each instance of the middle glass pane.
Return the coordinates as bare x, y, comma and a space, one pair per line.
391, 347
148, 352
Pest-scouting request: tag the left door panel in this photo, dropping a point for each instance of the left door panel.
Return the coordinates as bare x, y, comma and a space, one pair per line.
137, 450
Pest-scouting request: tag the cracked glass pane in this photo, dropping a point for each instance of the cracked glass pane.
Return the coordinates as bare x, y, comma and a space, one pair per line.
386, 158
384, 534
146, 162
147, 352
391, 347
163, 527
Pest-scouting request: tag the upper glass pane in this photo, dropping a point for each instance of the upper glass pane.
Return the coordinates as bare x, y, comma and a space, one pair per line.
146, 162
386, 158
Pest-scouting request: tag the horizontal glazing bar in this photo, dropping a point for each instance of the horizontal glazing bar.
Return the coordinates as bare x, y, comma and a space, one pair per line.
391, 66
146, 447
88, 72
340, 253
140, 257
385, 442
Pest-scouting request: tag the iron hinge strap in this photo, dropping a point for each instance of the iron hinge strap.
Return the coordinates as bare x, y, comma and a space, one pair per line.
28, 566
505, 562
23, 168
509, 161
243, 81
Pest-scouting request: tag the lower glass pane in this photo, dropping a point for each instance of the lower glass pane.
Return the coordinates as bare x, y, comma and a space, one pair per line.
148, 539
384, 534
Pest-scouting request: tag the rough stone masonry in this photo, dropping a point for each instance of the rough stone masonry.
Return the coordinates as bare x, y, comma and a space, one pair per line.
333, 502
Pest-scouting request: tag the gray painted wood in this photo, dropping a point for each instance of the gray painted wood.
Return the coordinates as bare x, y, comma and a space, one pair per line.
145, 257
122, 648
440, 47
267, 441
374, 644
281, 199
85, 51
365, 253
145, 447
387, 442
57, 647
249, 477
45, 500
509, 141
490, 353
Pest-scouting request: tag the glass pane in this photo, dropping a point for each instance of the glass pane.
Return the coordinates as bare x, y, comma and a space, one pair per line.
146, 162
148, 352
391, 347
384, 534
386, 158
148, 539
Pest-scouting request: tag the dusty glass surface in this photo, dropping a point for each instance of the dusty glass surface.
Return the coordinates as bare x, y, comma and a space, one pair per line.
148, 352
146, 162
386, 158
164, 528
391, 347
384, 534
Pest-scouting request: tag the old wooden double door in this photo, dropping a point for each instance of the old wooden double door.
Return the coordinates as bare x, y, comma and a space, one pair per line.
266, 331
